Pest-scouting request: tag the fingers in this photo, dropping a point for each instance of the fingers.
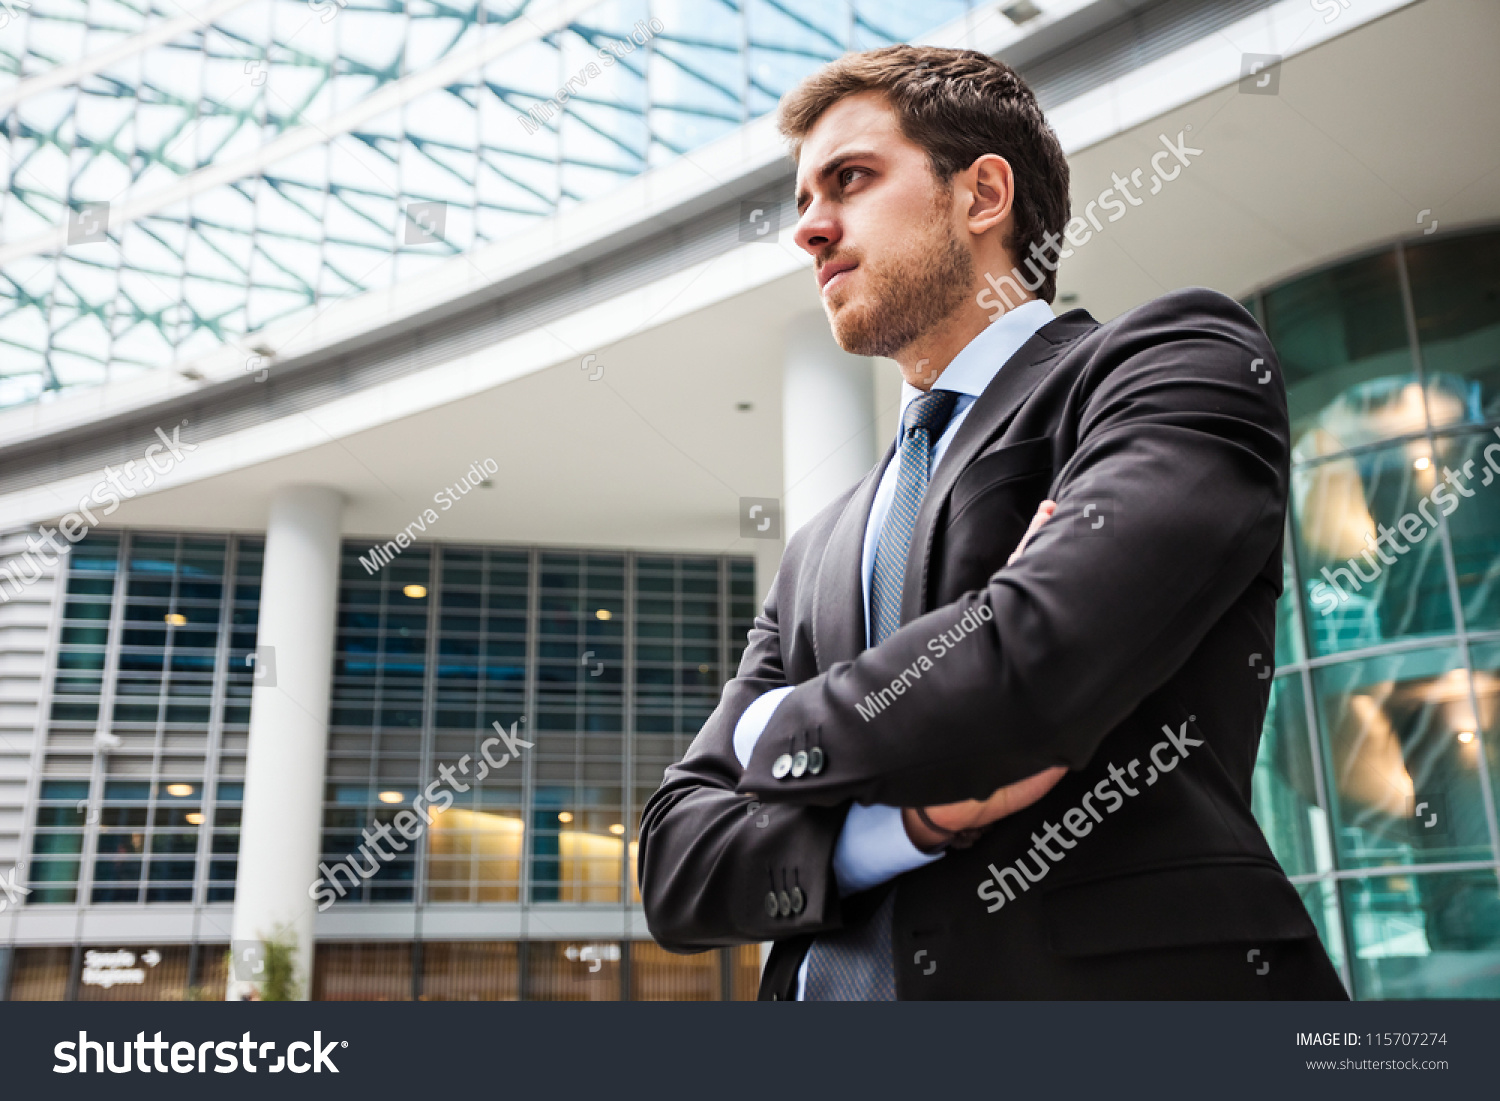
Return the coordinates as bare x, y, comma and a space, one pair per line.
1044, 513
957, 816
1019, 795
971, 813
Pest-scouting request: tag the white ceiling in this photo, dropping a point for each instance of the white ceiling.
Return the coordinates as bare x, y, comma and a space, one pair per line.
1368, 129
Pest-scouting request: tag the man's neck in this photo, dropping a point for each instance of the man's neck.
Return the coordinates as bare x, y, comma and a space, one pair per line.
923, 361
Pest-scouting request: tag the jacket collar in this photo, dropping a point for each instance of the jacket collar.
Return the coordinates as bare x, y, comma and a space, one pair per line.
838, 627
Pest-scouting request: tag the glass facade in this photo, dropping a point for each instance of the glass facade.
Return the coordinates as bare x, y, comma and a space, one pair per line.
279, 155
608, 662
1377, 777
139, 796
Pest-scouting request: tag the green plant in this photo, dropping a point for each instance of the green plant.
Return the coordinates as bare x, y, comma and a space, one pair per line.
279, 967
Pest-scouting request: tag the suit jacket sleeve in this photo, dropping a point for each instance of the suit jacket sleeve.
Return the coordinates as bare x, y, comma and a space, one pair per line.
1185, 453
708, 856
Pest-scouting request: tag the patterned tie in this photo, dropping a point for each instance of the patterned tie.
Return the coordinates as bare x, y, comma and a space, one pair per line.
855, 964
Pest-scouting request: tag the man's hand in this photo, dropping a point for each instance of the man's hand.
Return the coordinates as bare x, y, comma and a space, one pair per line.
974, 813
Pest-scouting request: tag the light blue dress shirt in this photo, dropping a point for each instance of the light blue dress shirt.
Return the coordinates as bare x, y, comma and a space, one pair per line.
873, 846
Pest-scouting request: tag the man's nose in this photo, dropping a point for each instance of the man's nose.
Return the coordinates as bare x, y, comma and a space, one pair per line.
817, 229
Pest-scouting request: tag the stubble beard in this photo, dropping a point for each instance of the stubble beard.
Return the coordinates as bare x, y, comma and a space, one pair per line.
909, 296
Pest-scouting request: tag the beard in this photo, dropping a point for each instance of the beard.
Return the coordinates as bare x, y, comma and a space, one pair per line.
909, 294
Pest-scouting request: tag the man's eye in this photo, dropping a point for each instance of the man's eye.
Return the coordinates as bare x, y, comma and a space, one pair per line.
845, 175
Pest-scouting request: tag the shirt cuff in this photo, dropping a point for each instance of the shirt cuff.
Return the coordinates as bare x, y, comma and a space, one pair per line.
873, 847
753, 722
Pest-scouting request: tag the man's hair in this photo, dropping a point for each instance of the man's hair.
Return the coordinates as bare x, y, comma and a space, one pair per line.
957, 105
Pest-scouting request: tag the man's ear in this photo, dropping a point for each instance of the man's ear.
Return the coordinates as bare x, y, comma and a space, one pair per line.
992, 187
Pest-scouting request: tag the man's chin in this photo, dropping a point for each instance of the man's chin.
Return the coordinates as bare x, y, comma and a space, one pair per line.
849, 324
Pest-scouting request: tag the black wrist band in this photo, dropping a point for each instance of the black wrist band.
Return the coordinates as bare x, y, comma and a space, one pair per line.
952, 839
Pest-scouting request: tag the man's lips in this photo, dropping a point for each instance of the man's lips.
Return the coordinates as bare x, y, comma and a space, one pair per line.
828, 272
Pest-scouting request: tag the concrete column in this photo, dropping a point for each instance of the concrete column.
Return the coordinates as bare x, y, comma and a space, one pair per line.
827, 419
281, 831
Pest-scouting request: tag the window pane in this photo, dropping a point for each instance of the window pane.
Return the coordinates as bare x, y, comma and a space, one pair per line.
1341, 338
1284, 795
1455, 290
1322, 901
1371, 562
1486, 658
1405, 786
1425, 936
1474, 523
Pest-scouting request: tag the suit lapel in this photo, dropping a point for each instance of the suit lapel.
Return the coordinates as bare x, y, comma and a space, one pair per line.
1011, 386
838, 597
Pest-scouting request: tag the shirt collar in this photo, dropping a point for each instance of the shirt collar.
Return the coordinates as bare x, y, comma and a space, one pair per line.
980, 360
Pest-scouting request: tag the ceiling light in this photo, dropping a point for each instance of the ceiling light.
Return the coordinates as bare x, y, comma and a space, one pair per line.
1466, 736
181, 791
1023, 11
703, 669
617, 829
176, 619
390, 797
603, 613
564, 816
195, 818
1423, 463
416, 592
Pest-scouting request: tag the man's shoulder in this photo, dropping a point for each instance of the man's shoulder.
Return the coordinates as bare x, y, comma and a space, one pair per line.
1188, 312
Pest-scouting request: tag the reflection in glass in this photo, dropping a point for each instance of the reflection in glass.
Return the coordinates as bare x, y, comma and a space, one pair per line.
1370, 557
1334, 330
1486, 680
1404, 782
1474, 527
1283, 791
1321, 897
1455, 290
1425, 936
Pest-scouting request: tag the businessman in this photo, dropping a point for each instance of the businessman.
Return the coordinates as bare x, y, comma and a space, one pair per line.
952, 765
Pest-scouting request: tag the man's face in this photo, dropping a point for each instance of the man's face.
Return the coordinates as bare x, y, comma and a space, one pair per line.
891, 263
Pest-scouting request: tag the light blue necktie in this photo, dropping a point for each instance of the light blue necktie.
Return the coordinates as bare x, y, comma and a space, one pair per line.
856, 965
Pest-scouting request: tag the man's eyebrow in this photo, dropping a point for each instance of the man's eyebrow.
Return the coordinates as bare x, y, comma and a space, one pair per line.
829, 168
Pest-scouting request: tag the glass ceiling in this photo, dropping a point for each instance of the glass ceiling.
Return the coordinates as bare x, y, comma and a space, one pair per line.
263, 158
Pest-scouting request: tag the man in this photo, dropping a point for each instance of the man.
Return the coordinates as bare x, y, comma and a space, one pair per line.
947, 769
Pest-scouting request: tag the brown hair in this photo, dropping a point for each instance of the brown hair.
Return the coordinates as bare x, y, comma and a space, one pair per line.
957, 105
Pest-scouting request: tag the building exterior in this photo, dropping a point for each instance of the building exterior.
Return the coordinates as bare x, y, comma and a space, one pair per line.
424, 395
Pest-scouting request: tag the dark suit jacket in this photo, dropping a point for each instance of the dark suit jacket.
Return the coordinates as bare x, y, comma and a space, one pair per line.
1147, 601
